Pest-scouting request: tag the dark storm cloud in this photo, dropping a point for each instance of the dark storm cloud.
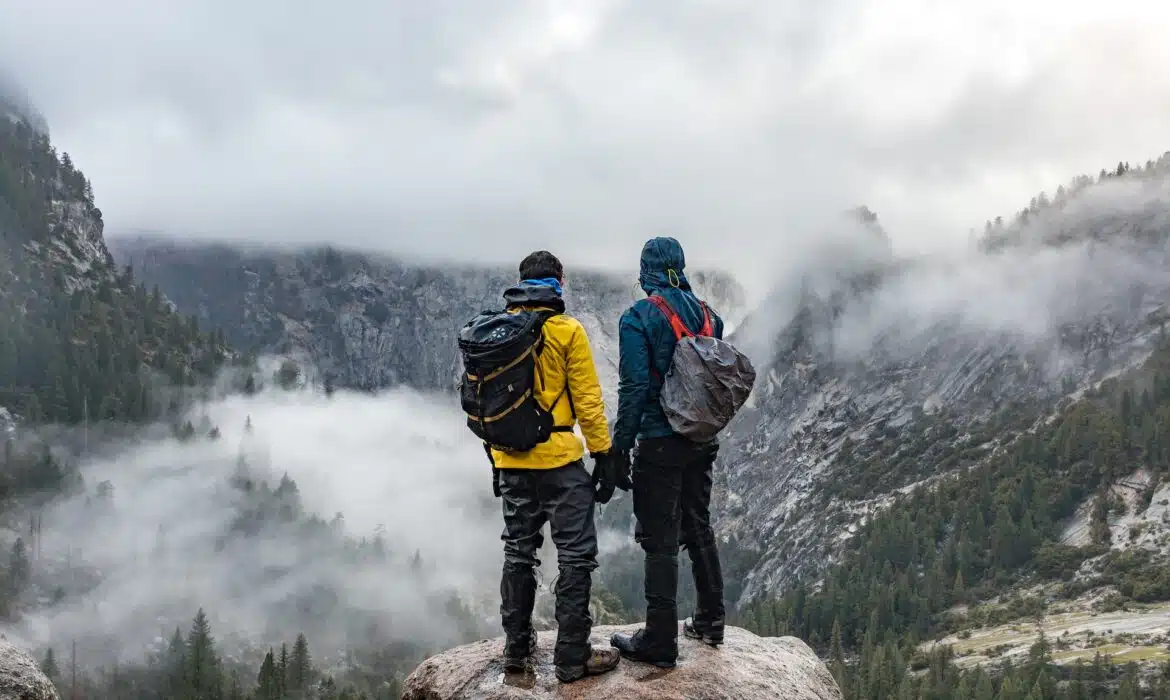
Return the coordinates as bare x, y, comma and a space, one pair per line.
480, 128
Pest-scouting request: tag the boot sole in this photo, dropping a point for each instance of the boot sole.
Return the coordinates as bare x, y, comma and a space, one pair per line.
692, 631
706, 639
659, 664
584, 675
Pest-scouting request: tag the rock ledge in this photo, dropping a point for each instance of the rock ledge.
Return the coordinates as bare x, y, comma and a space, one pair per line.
746, 667
20, 676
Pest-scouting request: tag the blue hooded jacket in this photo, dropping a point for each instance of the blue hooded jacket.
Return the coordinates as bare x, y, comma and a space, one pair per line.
646, 340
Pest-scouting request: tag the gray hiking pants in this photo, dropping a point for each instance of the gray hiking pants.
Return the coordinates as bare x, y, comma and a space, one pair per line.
562, 497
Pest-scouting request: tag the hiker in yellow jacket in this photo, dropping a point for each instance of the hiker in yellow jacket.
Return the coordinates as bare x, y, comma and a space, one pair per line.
549, 483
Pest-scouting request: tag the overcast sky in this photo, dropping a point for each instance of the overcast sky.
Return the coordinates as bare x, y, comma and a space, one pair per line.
488, 127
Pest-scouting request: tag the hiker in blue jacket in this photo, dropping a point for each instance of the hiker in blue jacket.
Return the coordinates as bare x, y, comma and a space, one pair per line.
671, 473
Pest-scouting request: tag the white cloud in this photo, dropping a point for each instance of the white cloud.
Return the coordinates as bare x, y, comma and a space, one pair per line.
481, 129
176, 537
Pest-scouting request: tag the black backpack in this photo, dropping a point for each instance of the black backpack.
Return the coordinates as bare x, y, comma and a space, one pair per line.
499, 383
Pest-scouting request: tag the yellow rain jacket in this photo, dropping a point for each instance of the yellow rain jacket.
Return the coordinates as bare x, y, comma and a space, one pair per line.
565, 359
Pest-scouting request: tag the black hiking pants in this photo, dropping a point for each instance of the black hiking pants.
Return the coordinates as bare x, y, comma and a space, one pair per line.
562, 497
672, 504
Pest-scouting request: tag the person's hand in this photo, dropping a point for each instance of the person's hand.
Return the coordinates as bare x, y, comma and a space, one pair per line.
621, 469
603, 481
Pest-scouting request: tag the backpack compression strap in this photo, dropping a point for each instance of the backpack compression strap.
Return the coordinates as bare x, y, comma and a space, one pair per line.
676, 324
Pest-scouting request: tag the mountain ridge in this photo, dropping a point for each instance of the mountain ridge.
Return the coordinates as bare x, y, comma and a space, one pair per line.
369, 321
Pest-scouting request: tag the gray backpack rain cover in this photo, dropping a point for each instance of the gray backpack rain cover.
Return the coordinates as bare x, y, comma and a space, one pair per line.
708, 381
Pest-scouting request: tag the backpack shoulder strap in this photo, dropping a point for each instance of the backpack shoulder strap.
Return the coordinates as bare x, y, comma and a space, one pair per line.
708, 327
676, 324
545, 316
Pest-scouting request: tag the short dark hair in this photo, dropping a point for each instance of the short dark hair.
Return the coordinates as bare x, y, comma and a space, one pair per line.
540, 265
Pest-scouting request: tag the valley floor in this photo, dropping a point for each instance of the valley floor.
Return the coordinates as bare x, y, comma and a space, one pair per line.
1076, 632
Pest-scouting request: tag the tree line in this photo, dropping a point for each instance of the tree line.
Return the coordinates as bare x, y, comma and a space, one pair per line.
191, 667
986, 529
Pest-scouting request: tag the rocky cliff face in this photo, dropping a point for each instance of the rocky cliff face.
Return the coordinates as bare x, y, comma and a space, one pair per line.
892, 373
80, 338
745, 667
369, 321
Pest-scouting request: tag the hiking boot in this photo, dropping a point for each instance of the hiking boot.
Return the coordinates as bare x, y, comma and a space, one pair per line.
516, 660
600, 661
635, 648
710, 633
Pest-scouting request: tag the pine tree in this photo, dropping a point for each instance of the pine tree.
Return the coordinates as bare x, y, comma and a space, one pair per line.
202, 665
1004, 537
174, 666
984, 689
267, 686
282, 671
235, 689
287, 375
18, 568
300, 667
1009, 691
1163, 687
49, 666
1130, 685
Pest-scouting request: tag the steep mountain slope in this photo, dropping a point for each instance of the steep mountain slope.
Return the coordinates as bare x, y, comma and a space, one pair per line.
368, 321
875, 373
78, 337
892, 373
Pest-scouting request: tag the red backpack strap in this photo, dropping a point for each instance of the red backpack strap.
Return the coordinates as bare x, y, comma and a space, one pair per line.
676, 324
708, 328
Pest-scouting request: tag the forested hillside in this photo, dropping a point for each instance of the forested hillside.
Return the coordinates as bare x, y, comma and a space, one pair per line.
1042, 515
104, 547
79, 338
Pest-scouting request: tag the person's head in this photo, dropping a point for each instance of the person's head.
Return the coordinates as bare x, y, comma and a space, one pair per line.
541, 265
662, 265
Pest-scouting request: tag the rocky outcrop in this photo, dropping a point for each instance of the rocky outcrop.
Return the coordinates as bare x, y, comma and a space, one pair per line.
746, 667
21, 678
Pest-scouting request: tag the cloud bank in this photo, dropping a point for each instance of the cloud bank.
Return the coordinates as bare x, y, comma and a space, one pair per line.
478, 129
392, 519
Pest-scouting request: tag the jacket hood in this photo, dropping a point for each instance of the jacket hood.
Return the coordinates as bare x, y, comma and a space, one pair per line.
662, 266
534, 293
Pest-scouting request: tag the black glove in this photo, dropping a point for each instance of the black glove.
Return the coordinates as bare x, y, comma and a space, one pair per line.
621, 469
603, 482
